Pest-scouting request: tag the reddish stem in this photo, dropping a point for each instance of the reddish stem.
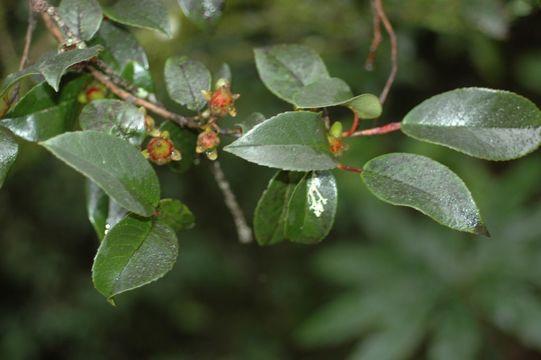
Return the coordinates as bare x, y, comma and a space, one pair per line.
378, 7
354, 126
376, 40
379, 130
349, 168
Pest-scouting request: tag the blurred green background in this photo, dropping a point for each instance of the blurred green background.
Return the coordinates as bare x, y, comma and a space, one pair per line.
388, 283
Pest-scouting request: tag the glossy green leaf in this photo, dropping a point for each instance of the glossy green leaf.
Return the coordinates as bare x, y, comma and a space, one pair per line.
134, 253
185, 141
185, 80
289, 141
333, 92
50, 62
8, 153
271, 212
113, 164
251, 121
41, 113
82, 17
120, 46
286, 69
485, 123
141, 13
323, 93
312, 208
425, 185
175, 214
13, 78
38, 97
367, 106
44, 124
97, 207
139, 77
115, 117
103, 212
54, 67
203, 13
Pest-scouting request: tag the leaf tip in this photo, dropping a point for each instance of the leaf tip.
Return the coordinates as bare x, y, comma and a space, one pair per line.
482, 230
111, 301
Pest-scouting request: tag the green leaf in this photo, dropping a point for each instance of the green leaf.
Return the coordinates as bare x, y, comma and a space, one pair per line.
286, 69
54, 67
13, 78
289, 141
133, 253
323, 93
175, 214
312, 208
49, 66
82, 17
367, 106
296, 206
40, 115
251, 121
334, 92
97, 206
517, 313
138, 76
457, 336
344, 319
203, 13
45, 124
185, 141
8, 153
113, 164
144, 14
484, 123
425, 185
271, 212
397, 342
121, 47
185, 80
103, 212
115, 117
38, 97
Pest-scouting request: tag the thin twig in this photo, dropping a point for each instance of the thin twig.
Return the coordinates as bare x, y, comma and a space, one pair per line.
376, 40
28, 37
24, 57
243, 230
385, 129
52, 28
380, 12
106, 76
150, 106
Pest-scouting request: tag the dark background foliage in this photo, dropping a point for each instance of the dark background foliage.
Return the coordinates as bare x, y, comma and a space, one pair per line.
225, 300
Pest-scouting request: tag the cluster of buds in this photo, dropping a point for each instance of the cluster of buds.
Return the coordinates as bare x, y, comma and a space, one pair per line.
221, 101
160, 149
336, 143
93, 92
207, 142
